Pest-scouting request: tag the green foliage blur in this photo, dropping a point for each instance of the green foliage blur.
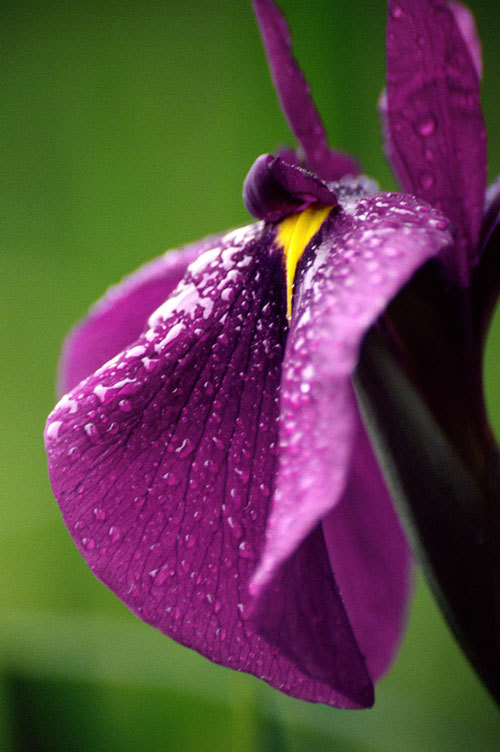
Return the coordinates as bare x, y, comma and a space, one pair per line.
127, 128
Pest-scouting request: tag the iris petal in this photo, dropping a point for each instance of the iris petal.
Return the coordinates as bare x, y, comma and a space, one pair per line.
304, 616
362, 256
467, 25
163, 462
436, 128
370, 557
119, 317
294, 95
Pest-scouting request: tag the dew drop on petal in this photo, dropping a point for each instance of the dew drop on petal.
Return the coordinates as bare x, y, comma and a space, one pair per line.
53, 429
74, 454
426, 125
125, 406
114, 533
426, 180
159, 576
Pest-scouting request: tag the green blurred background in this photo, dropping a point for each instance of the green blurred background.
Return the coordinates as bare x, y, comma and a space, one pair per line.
127, 128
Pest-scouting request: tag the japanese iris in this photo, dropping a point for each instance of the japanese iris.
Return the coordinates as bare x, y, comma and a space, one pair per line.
208, 456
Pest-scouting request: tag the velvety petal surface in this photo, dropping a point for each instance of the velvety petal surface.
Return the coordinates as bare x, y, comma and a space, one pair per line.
120, 316
163, 463
370, 557
274, 188
295, 97
434, 118
364, 253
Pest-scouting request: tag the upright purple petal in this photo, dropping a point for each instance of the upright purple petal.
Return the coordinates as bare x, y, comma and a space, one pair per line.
163, 462
467, 25
295, 97
120, 316
370, 557
435, 123
362, 256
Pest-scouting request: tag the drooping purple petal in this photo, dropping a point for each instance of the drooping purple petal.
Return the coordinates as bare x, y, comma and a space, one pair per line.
364, 254
273, 189
163, 464
467, 25
120, 316
370, 557
435, 123
305, 616
295, 97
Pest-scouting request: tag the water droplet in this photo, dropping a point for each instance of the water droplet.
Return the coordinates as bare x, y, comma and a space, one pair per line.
88, 543
53, 429
150, 364
171, 478
160, 575
114, 533
246, 551
426, 125
396, 12
185, 449
235, 527
99, 513
125, 405
74, 454
426, 180
244, 474
92, 432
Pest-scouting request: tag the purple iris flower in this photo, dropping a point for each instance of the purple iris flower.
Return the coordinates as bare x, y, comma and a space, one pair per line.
208, 456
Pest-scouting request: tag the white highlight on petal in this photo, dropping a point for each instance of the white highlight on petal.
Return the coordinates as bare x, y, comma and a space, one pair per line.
69, 403
173, 333
136, 352
53, 429
203, 261
242, 234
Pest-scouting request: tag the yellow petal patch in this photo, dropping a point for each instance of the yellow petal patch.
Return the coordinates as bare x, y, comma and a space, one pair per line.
294, 234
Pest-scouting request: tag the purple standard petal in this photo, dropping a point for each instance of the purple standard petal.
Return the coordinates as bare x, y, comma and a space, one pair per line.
295, 97
435, 123
362, 256
273, 189
370, 557
163, 463
120, 316
467, 25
